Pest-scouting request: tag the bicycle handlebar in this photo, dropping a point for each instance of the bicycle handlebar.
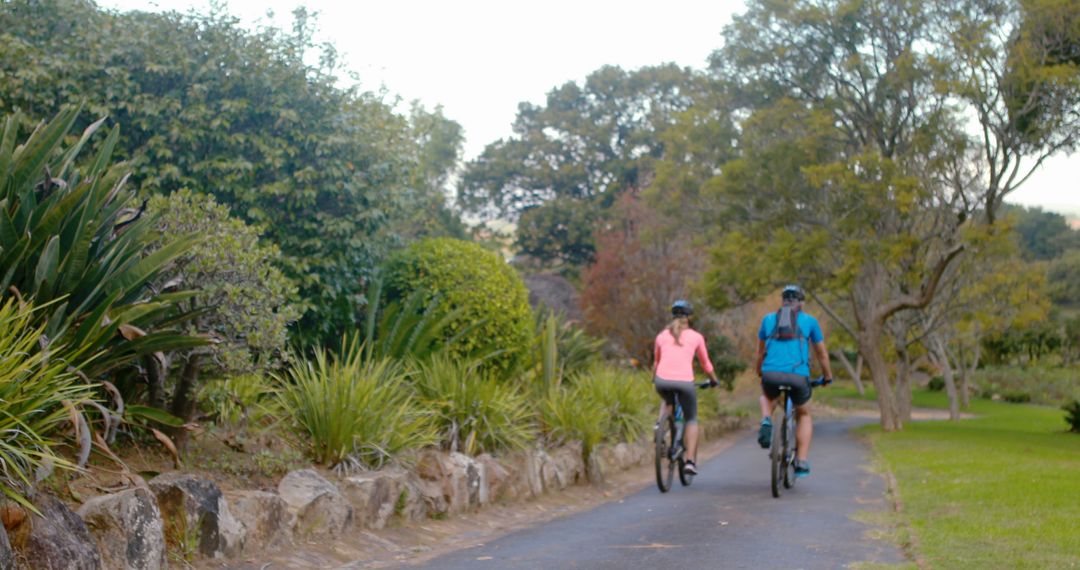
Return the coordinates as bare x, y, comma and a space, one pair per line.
707, 385
820, 381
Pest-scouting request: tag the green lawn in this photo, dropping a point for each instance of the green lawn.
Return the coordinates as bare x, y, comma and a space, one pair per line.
998, 491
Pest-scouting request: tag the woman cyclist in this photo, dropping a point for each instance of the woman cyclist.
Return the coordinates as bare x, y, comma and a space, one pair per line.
675, 348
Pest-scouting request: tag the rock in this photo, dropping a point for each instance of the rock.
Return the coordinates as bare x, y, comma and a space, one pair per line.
7, 555
128, 529
197, 516
548, 470
57, 539
318, 506
458, 477
265, 518
498, 480
379, 495
624, 457
569, 464
596, 469
467, 478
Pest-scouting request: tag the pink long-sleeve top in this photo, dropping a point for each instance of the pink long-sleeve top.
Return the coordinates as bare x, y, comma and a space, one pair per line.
675, 362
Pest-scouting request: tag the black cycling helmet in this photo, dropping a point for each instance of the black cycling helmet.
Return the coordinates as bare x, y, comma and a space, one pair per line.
681, 308
793, 292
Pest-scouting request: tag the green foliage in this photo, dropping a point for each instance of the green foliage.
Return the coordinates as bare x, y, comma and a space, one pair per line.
242, 299
587, 142
242, 400
936, 384
347, 411
478, 284
1042, 79
1042, 235
560, 350
37, 395
1072, 415
409, 328
473, 412
1064, 276
69, 240
558, 233
626, 397
334, 176
1042, 384
567, 417
570, 158
602, 404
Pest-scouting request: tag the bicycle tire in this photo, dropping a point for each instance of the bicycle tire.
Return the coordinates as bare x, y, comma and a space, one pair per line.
789, 452
776, 459
664, 439
685, 478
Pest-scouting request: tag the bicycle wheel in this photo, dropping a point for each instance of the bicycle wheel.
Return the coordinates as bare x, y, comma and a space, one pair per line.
664, 437
685, 478
790, 450
776, 457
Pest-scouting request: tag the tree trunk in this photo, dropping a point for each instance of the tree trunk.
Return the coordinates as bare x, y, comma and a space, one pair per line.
941, 356
183, 404
858, 374
870, 347
902, 385
965, 376
852, 371
155, 380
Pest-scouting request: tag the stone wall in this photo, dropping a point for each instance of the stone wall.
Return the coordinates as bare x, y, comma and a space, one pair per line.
182, 513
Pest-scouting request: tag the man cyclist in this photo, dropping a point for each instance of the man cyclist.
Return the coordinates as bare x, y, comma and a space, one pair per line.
675, 349
783, 359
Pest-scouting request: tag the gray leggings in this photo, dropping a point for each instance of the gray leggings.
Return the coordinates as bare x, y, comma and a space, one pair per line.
687, 392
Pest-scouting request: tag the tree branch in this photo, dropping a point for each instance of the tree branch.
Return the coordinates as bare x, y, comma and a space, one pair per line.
929, 289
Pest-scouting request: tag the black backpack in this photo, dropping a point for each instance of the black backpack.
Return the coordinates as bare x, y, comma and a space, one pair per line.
787, 323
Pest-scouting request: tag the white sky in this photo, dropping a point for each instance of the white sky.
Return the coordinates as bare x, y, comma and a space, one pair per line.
480, 58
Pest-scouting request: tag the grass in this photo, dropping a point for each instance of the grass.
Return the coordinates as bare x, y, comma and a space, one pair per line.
997, 491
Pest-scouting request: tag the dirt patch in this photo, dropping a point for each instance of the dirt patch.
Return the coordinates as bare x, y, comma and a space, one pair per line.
416, 543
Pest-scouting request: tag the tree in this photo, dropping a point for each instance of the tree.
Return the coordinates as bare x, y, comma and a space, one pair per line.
558, 233
241, 301
855, 173
587, 144
1042, 235
638, 272
1064, 274
334, 176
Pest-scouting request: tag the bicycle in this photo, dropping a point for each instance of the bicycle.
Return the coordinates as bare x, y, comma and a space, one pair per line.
782, 448
670, 447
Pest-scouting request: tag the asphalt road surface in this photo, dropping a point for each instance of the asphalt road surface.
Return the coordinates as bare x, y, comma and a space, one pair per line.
726, 519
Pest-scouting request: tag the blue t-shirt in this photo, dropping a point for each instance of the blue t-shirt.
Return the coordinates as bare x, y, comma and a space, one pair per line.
791, 356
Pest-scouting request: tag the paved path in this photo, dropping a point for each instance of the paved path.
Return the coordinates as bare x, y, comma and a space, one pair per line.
727, 519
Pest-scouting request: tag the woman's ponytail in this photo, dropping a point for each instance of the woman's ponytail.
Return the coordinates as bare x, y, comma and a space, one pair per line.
677, 326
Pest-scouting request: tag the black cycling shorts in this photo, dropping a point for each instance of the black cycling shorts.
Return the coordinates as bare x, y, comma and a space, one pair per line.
687, 392
800, 386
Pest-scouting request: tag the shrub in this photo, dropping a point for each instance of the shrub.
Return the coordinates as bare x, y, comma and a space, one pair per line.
240, 401
1016, 397
473, 412
347, 411
37, 394
1072, 415
603, 404
465, 277
936, 384
568, 417
71, 242
1043, 384
626, 397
